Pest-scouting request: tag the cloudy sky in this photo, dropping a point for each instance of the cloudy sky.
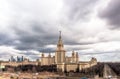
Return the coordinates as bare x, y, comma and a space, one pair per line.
90, 27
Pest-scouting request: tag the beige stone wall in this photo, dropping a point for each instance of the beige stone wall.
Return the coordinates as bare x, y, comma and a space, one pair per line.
83, 65
68, 59
63, 57
71, 60
52, 60
44, 61
71, 67
58, 57
61, 67
47, 60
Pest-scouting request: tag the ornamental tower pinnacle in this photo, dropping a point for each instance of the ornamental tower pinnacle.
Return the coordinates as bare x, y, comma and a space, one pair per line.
60, 43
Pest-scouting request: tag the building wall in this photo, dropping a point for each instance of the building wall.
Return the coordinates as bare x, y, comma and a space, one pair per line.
61, 67
51, 60
71, 60
71, 67
68, 59
83, 65
47, 60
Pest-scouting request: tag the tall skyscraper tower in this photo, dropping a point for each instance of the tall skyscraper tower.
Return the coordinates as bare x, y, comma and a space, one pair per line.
60, 52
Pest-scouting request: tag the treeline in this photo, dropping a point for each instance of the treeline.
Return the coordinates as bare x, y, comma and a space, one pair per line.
94, 70
98, 69
31, 68
115, 67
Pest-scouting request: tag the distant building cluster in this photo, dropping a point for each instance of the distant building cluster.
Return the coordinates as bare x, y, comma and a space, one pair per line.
63, 62
17, 59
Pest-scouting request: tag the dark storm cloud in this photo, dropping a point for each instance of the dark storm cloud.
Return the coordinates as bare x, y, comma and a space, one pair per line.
6, 40
73, 42
79, 9
29, 53
97, 53
2, 53
35, 36
35, 40
33, 33
112, 14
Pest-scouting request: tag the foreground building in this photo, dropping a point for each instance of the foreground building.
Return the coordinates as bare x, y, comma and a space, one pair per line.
65, 63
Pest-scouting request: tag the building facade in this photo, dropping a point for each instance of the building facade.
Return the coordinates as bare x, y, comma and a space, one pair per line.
65, 63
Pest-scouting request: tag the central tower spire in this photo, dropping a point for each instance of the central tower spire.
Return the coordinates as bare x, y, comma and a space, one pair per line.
60, 35
60, 52
60, 43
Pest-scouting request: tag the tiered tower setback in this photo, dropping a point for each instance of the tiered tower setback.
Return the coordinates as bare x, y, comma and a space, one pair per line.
60, 52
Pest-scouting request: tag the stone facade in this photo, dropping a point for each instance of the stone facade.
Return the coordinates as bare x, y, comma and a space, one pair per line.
65, 63
74, 66
47, 60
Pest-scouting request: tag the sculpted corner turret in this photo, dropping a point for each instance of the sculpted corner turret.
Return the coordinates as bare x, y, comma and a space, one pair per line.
93, 61
42, 55
49, 55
